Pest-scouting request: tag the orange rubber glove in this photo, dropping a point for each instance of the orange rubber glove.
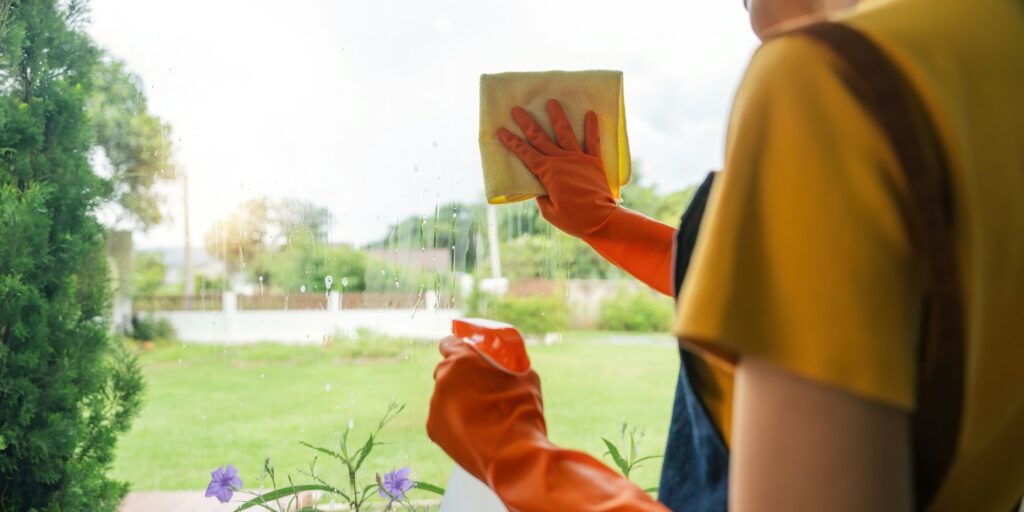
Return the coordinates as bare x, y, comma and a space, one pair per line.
580, 203
491, 422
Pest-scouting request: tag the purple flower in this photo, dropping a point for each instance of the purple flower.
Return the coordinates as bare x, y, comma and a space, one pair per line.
223, 483
396, 483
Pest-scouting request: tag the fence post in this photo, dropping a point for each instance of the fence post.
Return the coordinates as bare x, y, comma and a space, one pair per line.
334, 301
230, 308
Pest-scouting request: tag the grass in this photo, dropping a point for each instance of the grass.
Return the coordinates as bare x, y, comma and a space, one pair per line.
210, 405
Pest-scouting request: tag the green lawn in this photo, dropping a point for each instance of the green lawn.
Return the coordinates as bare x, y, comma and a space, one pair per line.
209, 405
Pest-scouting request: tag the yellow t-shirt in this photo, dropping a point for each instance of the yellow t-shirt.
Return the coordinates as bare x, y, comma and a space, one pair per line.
804, 259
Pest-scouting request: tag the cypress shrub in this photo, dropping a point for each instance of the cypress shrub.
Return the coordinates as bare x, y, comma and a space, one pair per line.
66, 388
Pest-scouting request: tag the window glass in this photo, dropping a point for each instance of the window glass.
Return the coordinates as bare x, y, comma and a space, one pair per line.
298, 215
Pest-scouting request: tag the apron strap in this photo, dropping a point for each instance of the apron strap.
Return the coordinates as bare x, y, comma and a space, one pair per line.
885, 92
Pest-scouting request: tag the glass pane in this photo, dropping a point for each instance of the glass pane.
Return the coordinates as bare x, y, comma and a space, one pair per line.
297, 215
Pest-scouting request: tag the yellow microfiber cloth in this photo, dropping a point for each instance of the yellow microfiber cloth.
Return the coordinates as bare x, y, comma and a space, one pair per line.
506, 179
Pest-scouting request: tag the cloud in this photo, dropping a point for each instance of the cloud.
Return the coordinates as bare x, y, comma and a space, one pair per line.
337, 101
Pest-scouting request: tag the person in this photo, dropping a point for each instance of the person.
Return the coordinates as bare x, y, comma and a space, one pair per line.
803, 305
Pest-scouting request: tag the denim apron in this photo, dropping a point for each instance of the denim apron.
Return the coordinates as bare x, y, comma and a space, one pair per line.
695, 470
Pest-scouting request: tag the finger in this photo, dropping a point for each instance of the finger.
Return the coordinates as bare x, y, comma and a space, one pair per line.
563, 129
534, 133
591, 135
528, 154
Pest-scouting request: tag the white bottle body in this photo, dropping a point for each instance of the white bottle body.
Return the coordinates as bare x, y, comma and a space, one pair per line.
467, 494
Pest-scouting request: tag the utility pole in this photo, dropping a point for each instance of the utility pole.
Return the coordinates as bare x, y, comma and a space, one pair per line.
190, 283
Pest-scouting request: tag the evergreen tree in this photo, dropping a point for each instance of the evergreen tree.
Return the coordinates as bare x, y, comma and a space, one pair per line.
136, 143
65, 390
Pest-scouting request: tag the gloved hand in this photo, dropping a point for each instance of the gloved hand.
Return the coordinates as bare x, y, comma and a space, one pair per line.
491, 422
579, 201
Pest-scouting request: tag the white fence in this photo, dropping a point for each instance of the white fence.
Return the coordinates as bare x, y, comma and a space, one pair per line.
234, 326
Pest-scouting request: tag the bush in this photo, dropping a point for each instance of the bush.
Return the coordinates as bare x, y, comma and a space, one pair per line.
66, 391
148, 272
639, 311
537, 315
366, 344
151, 328
207, 285
304, 262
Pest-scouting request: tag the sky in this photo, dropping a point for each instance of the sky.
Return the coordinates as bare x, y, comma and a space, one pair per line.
370, 108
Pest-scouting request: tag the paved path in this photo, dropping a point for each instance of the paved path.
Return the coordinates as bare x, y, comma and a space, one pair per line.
173, 501
194, 501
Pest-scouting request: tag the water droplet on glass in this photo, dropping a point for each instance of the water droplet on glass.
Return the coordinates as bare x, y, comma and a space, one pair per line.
397, 284
302, 288
328, 281
327, 387
344, 281
351, 424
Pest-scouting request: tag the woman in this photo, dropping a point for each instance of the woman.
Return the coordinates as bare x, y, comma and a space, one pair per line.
810, 293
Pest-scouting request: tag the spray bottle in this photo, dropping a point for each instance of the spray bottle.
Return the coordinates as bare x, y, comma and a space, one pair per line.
504, 345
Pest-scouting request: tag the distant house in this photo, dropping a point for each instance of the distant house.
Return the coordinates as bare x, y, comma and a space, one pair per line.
203, 263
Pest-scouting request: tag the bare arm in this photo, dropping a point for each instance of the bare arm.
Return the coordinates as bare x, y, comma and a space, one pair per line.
799, 445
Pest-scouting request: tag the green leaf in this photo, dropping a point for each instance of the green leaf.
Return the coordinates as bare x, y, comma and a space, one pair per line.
424, 486
343, 443
364, 452
286, 491
334, 454
651, 490
616, 457
367, 490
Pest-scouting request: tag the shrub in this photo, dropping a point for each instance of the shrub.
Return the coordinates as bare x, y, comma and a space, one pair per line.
66, 391
366, 344
148, 272
638, 311
539, 314
151, 328
206, 285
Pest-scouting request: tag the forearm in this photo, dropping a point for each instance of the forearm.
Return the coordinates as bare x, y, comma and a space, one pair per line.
639, 245
549, 478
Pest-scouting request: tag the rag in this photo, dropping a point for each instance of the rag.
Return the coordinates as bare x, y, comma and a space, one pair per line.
506, 178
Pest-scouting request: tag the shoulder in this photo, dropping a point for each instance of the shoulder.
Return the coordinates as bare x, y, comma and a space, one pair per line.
791, 65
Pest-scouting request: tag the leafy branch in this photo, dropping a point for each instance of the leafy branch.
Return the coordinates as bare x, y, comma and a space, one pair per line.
356, 492
6, 6
627, 458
